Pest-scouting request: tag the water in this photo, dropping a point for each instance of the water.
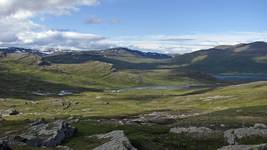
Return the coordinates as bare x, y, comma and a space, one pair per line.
163, 88
245, 77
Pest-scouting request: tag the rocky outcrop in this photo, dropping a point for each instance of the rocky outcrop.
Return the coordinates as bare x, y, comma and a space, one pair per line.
152, 118
47, 134
4, 145
196, 132
232, 136
245, 147
116, 141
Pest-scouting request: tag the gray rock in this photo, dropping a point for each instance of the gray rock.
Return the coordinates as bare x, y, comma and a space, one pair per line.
245, 147
47, 134
38, 121
4, 145
10, 112
117, 141
60, 147
153, 118
161, 120
260, 126
72, 121
196, 132
233, 135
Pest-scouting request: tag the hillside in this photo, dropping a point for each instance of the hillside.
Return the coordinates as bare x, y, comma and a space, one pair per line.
23, 74
236, 59
145, 95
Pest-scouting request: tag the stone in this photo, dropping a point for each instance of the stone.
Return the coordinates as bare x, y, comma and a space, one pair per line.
260, 126
117, 141
233, 135
195, 132
64, 93
161, 120
63, 147
245, 147
47, 134
10, 112
153, 118
4, 145
38, 121
72, 121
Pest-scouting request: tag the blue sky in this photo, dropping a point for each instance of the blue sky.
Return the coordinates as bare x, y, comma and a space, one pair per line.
169, 26
150, 17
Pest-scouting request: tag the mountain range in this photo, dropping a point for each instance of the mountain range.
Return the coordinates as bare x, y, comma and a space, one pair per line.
248, 58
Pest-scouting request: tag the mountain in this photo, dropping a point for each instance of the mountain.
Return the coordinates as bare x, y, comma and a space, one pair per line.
231, 59
120, 57
125, 52
9, 50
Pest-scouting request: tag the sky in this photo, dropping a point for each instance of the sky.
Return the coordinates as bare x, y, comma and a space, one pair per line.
165, 26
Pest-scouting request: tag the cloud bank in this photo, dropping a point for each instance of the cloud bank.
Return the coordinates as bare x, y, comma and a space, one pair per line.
189, 43
17, 28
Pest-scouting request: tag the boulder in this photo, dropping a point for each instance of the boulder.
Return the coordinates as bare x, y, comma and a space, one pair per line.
47, 134
195, 132
60, 147
233, 135
4, 145
153, 118
260, 126
38, 121
245, 147
116, 141
10, 112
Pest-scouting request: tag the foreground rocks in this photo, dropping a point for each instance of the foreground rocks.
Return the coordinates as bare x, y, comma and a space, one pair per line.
196, 132
117, 141
245, 147
232, 136
4, 145
46, 134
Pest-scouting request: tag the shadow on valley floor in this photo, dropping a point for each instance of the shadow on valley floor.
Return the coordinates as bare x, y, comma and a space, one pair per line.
27, 87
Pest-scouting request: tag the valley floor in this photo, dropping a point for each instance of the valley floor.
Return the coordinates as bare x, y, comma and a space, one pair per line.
218, 108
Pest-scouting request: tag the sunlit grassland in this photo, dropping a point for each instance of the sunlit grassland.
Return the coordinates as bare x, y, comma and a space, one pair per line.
104, 104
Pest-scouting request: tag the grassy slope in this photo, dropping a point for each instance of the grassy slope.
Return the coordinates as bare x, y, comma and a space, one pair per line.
136, 101
20, 74
240, 102
237, 59
19, 80
246, 104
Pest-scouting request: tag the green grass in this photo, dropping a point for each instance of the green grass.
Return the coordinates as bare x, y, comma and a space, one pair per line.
20, 76
142, 137
233, 106
240, 102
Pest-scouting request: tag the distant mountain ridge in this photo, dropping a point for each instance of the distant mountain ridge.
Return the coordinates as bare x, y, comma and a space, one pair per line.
120, 51
224, 59
241, 58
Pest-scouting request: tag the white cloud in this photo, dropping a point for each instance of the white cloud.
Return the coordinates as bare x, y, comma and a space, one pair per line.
189, 43
58, 39
18, 29
29, 8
